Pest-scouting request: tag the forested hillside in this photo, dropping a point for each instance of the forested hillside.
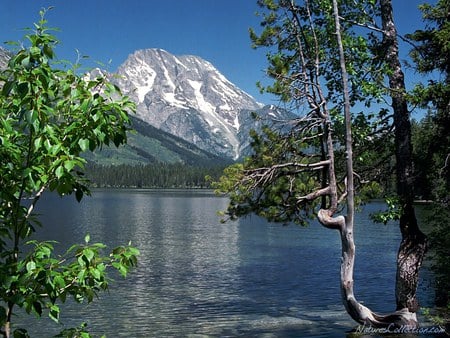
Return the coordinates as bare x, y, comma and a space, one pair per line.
147, 144
156, 175
153, 158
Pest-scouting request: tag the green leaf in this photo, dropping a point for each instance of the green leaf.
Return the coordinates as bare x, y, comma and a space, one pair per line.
89, 254
84, 144
81, 275
69, 165
59, 281
96, 273
87, 238
121, 268
54, 149
81, 262
26, 62
48, 51
59, 172
35, 51
31, 266
133, 251
7, 88
54, 313
37, 143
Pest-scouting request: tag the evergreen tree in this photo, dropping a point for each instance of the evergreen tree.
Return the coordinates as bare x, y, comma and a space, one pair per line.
432, 138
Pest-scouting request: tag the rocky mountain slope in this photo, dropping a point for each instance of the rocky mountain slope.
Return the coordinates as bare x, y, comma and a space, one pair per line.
147, 144
4, 57
188, 97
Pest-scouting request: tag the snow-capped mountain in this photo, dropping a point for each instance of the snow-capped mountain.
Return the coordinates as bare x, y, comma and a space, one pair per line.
188, 97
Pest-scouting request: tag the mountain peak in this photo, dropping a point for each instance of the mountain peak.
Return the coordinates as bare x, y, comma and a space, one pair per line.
188, 97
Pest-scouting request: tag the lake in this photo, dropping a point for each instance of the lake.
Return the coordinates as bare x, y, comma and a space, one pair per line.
198, 277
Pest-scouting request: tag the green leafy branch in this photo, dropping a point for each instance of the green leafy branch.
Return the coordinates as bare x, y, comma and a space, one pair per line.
48, 117
81, 272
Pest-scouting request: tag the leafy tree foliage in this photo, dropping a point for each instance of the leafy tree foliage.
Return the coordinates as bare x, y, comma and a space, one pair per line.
432, 140
48, 117
306, 74
431, 55
431, 137
300, 40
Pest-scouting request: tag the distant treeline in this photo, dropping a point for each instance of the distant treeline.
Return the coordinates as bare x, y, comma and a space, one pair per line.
155, 175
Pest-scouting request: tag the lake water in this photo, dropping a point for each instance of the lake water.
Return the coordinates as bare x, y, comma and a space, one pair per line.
198, 277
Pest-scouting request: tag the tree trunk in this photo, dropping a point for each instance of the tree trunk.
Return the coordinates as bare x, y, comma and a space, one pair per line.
413, 246
410, 257
360, 313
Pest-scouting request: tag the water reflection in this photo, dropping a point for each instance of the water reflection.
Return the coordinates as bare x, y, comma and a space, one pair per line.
197, 276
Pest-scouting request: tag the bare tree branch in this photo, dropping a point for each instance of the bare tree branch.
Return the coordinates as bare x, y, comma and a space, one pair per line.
36, 198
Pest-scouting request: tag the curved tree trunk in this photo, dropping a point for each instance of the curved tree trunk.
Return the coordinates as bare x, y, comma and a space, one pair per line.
360, 313
413, 243
357, 311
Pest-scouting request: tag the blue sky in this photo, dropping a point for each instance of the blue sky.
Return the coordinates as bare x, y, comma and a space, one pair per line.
216, 30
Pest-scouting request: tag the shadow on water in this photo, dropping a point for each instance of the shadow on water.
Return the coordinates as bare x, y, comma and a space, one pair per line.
198, 277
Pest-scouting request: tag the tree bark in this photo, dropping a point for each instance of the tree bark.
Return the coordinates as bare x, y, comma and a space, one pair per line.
414, 243
360, 313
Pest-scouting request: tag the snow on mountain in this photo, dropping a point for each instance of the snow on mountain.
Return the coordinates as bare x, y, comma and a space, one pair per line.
188, 97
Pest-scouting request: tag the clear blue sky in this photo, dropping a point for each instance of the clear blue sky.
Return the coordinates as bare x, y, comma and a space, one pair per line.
216, 30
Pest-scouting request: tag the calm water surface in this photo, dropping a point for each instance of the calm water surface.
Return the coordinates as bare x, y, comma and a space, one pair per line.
198, 277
